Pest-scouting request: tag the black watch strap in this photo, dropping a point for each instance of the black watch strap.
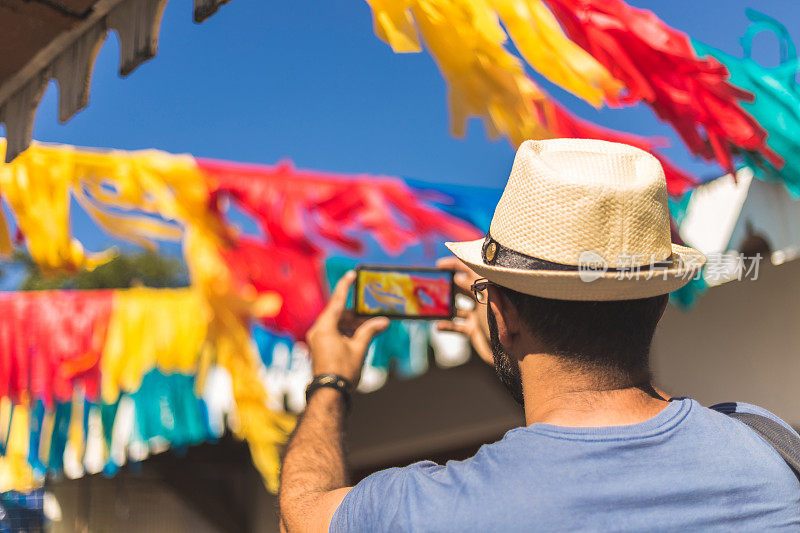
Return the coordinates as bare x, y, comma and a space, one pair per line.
333, 381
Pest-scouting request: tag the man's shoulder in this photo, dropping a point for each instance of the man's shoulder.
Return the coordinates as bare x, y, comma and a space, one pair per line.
748, 444
490, 460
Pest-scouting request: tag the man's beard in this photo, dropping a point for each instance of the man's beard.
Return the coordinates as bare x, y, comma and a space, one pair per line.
504, 365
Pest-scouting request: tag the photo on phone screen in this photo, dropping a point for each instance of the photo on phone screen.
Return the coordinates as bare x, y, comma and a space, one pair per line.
401, 292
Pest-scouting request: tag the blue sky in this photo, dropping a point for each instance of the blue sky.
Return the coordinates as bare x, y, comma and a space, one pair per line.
308, 80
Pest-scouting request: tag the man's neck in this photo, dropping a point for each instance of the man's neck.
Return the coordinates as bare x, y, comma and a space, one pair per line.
561, 396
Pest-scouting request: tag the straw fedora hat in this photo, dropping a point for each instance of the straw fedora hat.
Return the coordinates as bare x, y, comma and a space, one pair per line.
582, 219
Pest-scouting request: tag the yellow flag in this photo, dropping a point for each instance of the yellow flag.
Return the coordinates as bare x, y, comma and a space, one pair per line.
484, 79
151, 328
542, 43
15, 472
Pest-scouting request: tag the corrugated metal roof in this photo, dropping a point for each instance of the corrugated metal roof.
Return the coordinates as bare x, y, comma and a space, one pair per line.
42, 40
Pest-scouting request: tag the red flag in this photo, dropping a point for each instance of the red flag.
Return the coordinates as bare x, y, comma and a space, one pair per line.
658, 65
309, 211
50, 342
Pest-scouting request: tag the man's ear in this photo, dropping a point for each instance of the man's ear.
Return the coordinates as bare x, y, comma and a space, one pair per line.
506, 316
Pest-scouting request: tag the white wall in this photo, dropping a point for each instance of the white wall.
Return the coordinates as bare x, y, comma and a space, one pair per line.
740, 343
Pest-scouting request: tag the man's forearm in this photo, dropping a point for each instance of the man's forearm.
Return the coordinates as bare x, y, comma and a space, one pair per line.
314, 462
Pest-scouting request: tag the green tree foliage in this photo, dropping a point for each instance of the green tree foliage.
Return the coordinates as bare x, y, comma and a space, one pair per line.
126, 270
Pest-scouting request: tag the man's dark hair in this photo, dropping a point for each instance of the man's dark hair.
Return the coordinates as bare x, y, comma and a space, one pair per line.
609, 337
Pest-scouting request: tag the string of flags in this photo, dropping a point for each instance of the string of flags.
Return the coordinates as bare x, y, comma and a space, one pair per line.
605, 52
776, 103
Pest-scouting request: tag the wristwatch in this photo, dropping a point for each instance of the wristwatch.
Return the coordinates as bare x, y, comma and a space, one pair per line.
333, 381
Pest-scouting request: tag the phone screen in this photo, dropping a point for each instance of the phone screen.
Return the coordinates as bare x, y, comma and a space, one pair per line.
400, 292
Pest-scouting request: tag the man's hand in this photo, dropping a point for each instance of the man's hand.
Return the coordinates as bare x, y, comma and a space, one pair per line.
338, 342
313, 477
472, 322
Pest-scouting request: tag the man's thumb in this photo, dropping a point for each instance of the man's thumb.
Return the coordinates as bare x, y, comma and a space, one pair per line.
367, 331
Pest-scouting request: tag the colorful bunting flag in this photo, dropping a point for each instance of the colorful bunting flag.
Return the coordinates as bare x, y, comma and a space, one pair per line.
777, 99
657, 64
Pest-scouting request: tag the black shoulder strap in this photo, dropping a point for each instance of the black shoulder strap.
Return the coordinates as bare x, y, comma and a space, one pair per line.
786, 443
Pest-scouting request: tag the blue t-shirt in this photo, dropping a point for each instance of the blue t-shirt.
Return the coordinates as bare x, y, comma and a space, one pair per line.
689, 468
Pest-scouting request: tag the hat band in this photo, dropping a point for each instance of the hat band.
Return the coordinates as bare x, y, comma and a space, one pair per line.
494, 253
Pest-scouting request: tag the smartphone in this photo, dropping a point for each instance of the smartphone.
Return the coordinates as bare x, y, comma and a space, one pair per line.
404, 292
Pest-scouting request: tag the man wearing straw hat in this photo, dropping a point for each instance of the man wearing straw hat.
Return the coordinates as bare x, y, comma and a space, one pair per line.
571, 282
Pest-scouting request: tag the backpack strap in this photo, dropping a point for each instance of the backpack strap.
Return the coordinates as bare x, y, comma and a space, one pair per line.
785, 442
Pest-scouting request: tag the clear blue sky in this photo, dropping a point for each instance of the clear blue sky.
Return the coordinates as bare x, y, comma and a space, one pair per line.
307, 80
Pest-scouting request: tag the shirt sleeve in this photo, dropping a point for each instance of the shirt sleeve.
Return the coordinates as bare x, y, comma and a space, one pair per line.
414, 498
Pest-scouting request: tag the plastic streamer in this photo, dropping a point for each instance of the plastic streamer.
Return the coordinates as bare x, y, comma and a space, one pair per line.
51, 342
777, 99
152, 328
612, 46
473, 204
41, 209
71, 358
540, 40
461, 35
306, 213
15, 472
230, 346
81, 436
484, 78
310, 210
294, 275
657, 64
531, 26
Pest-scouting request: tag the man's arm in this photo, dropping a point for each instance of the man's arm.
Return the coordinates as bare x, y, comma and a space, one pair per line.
313, 477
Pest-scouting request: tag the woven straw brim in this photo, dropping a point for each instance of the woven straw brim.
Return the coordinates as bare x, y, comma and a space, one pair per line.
568, 285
